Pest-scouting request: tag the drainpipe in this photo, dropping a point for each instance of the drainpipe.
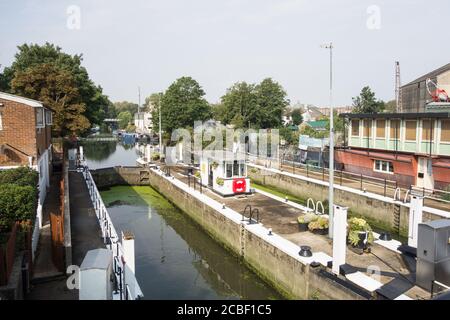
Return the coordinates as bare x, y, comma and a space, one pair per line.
30, 161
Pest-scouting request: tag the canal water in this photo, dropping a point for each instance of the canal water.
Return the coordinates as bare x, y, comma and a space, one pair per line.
175, 258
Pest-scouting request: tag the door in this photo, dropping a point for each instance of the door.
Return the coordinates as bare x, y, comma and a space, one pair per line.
210, 176
425, 174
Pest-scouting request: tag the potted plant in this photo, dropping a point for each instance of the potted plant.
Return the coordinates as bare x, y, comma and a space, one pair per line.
360, 235
219, 181
304, 220
319, 226
214, 165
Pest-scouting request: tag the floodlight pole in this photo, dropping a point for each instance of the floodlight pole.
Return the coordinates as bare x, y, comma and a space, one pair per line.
331, 161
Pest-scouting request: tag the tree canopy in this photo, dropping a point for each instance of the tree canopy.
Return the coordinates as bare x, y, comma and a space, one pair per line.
57, 89
367, 103
297, 117
258, 106
50, 61
181, 105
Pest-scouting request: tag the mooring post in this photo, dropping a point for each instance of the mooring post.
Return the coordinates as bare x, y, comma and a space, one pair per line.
415, 217
128, 249
339, 237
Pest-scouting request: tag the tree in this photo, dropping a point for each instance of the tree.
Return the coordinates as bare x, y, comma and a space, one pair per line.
297, 117
182, 104
30, 56
260, 106
125, 118
238, 102
391, 106
367, 103
126, 106
219, 112
271, 101
152, 101
57, 89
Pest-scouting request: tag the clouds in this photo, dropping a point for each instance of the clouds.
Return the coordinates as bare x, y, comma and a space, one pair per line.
218, 42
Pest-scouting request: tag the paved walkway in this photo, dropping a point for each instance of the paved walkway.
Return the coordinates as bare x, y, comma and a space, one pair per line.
86, 235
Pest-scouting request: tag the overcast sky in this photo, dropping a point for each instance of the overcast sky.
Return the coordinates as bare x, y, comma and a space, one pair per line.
145, 43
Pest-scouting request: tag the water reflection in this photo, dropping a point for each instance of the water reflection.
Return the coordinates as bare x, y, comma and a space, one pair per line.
175, 259
104, 154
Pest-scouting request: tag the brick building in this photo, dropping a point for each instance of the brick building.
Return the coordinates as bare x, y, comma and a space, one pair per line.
25, 136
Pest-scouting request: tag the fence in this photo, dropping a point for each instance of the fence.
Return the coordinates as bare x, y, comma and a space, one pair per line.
127, 285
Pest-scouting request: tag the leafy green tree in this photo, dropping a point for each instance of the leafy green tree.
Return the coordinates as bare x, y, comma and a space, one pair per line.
258, 106
182, 104
238, 103
272, 100
152, 101
367, 103
391, 106
297, 117
219, 112
33, 55
125, 118
57, 89
126, 106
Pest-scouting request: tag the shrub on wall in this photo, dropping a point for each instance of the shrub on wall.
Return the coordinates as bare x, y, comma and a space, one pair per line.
17, 203
18, 196
22, 176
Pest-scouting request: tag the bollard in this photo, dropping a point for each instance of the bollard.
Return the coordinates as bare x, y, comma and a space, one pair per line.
339, 237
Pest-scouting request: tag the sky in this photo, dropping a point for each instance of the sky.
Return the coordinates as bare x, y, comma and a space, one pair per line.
149, 44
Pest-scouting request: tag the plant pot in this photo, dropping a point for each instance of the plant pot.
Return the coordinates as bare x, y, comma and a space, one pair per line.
322, 232
302, 227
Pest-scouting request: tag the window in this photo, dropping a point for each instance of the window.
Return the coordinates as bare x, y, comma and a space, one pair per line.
229, 170
411, 127
242, 170
40, 118
445, 131
381, 128
48, 117
1, 121
235, 168
395, 129
367, 128
426, 130
383, 166
355, 128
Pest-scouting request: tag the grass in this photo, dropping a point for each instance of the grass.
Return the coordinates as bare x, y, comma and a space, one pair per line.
278, 193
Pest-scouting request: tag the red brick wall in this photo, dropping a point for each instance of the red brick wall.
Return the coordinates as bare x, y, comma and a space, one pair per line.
19, 130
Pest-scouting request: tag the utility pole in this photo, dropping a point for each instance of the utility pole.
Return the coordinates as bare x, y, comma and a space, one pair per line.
331, 161
139, 99
160, 132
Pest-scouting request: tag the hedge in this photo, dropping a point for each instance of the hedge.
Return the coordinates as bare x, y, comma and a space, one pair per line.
18, 196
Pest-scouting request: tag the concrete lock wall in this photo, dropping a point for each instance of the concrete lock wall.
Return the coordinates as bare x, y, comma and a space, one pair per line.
376, 211
288, 275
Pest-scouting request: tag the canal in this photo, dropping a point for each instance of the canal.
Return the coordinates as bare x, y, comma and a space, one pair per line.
175, 258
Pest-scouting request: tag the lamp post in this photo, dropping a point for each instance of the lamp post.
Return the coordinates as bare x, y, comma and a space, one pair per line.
160, 133
331, 161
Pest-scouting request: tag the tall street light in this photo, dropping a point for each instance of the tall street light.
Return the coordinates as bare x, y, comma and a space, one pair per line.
331, 161
160, 133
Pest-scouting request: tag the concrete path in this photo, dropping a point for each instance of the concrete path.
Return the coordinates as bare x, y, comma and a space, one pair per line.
86, 235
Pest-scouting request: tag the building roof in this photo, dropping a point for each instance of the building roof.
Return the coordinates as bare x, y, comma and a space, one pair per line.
318, 124
431, 74
408, 115
29, 102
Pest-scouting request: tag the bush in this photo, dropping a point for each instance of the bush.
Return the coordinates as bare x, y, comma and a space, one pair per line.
155, 156
197, 174
22, 176
307, 218
320, 224
17, 203
356, 225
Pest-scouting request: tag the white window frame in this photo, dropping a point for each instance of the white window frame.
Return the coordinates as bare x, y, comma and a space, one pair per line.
1, 121
378, 166
48, 117
38, 125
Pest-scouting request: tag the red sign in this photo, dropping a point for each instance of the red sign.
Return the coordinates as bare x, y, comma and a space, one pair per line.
239, 185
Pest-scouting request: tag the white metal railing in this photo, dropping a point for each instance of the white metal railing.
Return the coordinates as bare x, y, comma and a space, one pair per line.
128, 287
